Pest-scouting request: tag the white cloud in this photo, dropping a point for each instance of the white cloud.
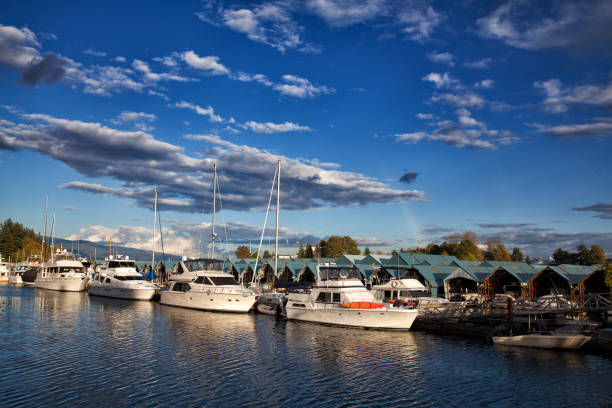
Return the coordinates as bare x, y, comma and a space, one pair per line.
410, 137
482, 63
95, 53
210, 64
569, 23
465, 99
441, 57
441, 80
485, 84
424, 115
558, 98
120, 59
269, 127
341, 13
418, 20
149, 75
167, 61
138, 120
18, 46
208, 111
300, 87
587, 130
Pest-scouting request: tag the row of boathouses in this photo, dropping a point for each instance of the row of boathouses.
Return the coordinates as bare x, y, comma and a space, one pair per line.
444, 276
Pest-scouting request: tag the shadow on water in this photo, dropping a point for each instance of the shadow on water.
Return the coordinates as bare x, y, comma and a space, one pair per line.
79, 350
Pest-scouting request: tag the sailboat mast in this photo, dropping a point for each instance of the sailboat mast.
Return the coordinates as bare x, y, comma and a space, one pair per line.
277, 205
154, 225
212, 250
44, 237
53, 236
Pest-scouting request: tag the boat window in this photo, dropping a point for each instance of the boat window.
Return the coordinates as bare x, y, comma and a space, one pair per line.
336, 297
388, 294
223, 280
299, 305
324, 297
181, 287
204, 265
107, 280
129, 278
67, 269
202, 280
338, 272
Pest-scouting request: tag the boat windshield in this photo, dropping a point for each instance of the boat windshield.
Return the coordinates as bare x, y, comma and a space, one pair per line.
204, 265
222, 280
129, 278
121, 264
338, 272
67, 269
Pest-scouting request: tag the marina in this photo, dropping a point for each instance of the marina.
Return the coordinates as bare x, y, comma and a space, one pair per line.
68, 348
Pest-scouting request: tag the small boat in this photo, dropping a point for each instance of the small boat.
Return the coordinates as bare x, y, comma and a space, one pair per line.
549, 341
118, 278
340, 298
271, 304
16, 276
407, 292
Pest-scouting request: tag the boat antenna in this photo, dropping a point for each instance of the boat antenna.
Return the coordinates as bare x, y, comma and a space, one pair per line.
44, 238
154, 224
212, 245
264, 226
277, 209
161, 237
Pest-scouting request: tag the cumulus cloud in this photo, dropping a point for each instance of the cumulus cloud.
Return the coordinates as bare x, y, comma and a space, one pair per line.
269, 23
209, 64
269, 127
441, 80
301, 87
18, 46
139, 161
408, 177
568, 23
418, 20
604, 210
48, 69
441, 57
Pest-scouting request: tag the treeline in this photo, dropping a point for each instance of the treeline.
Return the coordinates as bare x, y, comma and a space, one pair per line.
19, 243
463, 246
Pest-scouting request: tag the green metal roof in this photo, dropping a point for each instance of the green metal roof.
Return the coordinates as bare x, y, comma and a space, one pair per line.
348, 259
460, 273
437, 260
520, 270
475, 269
374, 259
431, 275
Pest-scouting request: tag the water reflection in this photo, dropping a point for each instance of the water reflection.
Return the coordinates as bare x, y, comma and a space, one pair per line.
71, 349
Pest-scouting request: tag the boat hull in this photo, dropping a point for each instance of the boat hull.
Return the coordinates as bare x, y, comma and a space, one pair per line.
122, 293
217, 302
75, 284
366, 318
569, 342
15, 280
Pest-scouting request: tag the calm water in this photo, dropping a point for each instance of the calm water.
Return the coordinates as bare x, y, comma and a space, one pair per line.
70, 349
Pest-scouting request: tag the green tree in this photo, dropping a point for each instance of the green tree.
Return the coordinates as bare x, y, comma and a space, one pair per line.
582, 257
496, 251
561, 257
608, 276
308, 253
243, 252
467, 250
367, 251
267, 254
517, 255
336, 246
596, 255
528, 260
301, 252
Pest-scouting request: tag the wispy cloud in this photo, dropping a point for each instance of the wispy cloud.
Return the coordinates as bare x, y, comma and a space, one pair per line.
441, 57
95, 53
569, 23
480, 64
559, 97
137, 120
604, 210
269, 127
582, 131
208, 111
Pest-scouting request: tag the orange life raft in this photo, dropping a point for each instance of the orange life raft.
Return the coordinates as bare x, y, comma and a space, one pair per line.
362, 305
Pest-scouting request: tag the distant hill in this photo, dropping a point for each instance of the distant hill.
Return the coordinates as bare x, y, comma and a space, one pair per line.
86, 249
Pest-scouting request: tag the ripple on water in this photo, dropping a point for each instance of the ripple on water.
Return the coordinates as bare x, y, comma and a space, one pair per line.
72, 349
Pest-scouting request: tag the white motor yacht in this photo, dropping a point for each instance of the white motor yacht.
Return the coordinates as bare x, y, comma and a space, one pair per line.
118, 278
63, 272
340, 298
202, 284
16, 274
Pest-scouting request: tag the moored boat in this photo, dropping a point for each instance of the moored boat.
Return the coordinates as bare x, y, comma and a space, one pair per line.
340, 298
118, 278
5, 269
550, 341
64, 273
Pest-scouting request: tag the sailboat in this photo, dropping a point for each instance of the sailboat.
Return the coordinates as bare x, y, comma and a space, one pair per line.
201, 283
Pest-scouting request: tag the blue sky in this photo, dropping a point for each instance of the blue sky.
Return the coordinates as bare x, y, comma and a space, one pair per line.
396, 122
